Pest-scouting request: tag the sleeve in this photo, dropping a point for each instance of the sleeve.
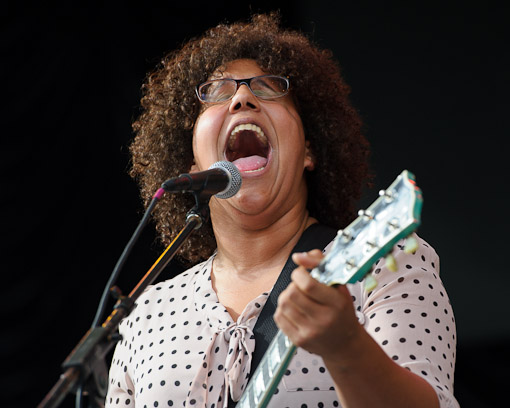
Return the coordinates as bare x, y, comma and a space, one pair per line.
121, 391
410, 316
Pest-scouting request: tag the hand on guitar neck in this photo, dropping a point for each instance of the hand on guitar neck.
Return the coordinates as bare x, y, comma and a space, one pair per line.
316, 317
321, 320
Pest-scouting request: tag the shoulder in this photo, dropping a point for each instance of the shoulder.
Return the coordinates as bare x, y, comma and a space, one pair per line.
160, 296
412, 272
422, 261
177, 284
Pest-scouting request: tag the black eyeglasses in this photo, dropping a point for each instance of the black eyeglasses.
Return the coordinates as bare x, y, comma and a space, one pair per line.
264, 87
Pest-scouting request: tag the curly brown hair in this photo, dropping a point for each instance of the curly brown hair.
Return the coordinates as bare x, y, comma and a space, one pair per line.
162, 147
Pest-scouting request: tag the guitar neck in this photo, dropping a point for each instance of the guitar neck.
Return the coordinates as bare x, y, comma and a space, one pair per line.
393, 216
266, 378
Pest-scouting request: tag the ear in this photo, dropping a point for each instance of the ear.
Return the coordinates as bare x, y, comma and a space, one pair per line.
309, 162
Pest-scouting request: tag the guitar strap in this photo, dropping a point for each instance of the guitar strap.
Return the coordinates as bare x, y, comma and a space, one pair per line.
316, 236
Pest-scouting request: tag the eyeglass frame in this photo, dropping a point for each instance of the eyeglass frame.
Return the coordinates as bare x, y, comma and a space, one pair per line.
244, 81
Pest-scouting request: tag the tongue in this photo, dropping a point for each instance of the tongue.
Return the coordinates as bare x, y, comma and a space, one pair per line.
250, 163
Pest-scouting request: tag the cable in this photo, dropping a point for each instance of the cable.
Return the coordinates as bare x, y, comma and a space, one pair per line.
120, 263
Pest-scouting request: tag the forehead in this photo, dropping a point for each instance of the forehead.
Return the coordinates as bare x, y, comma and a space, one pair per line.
238, 69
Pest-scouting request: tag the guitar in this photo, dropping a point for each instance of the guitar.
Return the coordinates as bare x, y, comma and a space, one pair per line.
393, 216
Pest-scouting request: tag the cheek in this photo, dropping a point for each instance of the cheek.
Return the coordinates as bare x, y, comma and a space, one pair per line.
205, 134
291, 125
204, 126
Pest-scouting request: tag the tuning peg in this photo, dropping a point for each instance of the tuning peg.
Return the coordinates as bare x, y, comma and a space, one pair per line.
345, 235
370, 245
370, 283
391, 263
394, 224
387, 194
411, 245
367, 214
350, 263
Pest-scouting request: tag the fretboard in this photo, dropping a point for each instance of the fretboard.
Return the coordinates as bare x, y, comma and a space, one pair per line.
268, 374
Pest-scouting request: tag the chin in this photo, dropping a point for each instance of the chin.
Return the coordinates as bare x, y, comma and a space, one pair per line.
250, 198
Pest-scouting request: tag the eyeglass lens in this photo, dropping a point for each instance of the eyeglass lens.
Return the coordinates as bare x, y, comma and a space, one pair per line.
265, 87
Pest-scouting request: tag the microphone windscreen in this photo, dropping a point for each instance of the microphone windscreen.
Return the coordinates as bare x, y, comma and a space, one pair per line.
235, 179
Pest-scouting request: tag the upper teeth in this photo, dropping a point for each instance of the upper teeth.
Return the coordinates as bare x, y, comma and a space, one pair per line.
247, 126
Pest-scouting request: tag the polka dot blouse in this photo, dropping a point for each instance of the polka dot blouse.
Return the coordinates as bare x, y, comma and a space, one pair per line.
180, 346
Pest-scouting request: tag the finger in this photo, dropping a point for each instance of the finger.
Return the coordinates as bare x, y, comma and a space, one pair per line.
309, 259
285, 325
286, 316
292, 330
294, 314
312, 288
297, 304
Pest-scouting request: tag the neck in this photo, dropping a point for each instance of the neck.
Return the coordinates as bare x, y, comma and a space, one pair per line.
252, 250
247, 248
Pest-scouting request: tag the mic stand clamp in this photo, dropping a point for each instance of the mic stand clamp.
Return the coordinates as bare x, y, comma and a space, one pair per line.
200, 212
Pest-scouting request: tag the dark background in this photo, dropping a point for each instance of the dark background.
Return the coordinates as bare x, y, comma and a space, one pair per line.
431, 83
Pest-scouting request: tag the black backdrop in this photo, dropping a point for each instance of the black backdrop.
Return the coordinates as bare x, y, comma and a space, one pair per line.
430, 82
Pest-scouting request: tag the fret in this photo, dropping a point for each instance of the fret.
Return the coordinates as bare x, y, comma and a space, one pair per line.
274, 359
269, 372
248, 398
259, 386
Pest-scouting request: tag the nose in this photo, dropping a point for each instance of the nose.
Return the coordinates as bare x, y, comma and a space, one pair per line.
244, 99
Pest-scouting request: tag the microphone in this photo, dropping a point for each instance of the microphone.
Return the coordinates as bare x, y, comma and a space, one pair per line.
222, 179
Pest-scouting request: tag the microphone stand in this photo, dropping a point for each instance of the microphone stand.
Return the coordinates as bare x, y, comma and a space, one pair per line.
85, 366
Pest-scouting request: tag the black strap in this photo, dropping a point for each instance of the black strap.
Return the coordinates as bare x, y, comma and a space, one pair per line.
316, 236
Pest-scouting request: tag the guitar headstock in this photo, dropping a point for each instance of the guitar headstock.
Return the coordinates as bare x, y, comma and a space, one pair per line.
393, 216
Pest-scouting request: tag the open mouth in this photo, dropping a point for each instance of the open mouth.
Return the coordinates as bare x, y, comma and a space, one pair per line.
247, 147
